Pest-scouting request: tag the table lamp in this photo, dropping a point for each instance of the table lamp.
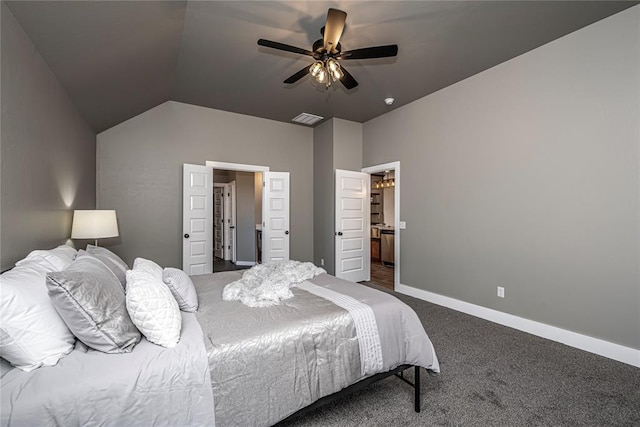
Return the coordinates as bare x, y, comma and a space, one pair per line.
94, 224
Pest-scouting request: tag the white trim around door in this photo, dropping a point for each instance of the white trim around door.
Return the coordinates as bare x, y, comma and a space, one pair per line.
236, 167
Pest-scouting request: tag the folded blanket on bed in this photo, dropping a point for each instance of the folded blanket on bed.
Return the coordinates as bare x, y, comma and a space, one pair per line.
265, 285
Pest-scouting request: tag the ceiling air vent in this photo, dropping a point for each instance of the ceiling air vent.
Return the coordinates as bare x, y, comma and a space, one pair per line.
307, 119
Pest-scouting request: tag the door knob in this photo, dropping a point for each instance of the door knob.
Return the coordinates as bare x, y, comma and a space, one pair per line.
286, 232
186, 236
232, 226
339, 233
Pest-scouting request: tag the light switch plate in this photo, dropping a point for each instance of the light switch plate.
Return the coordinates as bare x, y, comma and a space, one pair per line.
403, 225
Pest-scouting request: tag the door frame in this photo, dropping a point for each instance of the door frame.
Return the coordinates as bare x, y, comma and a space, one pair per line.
395, 166
238, 167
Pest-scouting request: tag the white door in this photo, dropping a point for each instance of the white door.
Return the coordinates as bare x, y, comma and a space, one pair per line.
218, 220
197, 219
275, 216
353, 231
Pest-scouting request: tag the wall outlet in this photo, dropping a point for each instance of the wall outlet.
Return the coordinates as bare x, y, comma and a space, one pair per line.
500, 291
322, 261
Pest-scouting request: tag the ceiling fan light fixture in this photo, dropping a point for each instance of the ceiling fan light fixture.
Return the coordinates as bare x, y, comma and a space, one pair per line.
332, 65
334, 69
322, 75
315, 68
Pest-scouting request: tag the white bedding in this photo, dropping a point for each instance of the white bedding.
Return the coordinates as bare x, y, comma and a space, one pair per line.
265, 285
261, 364
151, 385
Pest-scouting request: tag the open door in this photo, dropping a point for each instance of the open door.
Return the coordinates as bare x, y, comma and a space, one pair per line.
275, 216
353, 231
197, 219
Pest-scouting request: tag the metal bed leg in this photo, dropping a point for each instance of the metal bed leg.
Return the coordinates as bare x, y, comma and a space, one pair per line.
416, 386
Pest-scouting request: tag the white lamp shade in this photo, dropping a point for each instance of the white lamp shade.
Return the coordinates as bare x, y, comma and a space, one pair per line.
94, 224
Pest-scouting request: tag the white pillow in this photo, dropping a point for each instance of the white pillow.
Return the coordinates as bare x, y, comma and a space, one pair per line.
66, 252
149, 266
32, 334
59, 258
152, 308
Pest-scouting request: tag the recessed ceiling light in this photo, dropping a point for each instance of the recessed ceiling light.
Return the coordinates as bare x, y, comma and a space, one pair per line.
389, 101
307, 119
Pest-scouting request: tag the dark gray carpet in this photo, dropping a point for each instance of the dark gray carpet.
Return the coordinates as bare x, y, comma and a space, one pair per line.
494, 376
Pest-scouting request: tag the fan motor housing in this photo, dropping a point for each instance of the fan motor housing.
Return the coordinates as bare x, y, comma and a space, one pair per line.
318, 46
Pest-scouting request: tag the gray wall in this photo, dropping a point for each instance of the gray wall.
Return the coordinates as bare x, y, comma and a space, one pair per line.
323, 215
337, 144
47, 155
347, 145
140, 172
527, 176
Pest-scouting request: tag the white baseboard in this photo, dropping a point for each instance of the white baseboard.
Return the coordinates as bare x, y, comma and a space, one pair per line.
249, 263
607, 349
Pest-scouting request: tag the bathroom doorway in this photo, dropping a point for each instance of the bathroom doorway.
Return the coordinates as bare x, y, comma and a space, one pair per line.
385, 224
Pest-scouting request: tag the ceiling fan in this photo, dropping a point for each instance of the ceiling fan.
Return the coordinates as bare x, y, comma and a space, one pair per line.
327, 51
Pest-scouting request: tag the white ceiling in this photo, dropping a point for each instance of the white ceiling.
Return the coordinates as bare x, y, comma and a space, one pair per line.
119, 59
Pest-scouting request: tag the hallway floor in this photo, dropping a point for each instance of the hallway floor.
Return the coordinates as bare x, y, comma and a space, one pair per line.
382, 275
221, 265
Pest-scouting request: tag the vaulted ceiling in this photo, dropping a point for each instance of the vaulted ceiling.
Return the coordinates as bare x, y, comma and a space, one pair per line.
118, 59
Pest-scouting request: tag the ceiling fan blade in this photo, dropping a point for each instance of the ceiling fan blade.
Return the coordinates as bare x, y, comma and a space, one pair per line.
371, 52
333, 29
297, 76
285, 47
347, 79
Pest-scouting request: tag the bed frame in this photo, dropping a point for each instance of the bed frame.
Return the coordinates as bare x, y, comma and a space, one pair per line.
398, 372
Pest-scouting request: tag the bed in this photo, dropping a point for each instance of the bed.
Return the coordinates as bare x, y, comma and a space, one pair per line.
233, 365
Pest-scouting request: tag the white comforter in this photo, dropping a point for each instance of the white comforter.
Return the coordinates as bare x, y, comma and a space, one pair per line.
152, 385
265, 285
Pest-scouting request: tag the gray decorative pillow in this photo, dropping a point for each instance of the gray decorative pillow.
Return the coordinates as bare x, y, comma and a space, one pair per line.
91, 301
115, 268
115, 263
182, 288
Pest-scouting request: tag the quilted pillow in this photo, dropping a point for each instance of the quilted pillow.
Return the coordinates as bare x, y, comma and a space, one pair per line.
91, 301
153, 309
115, 268
149, 266
181, 288
32, 334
